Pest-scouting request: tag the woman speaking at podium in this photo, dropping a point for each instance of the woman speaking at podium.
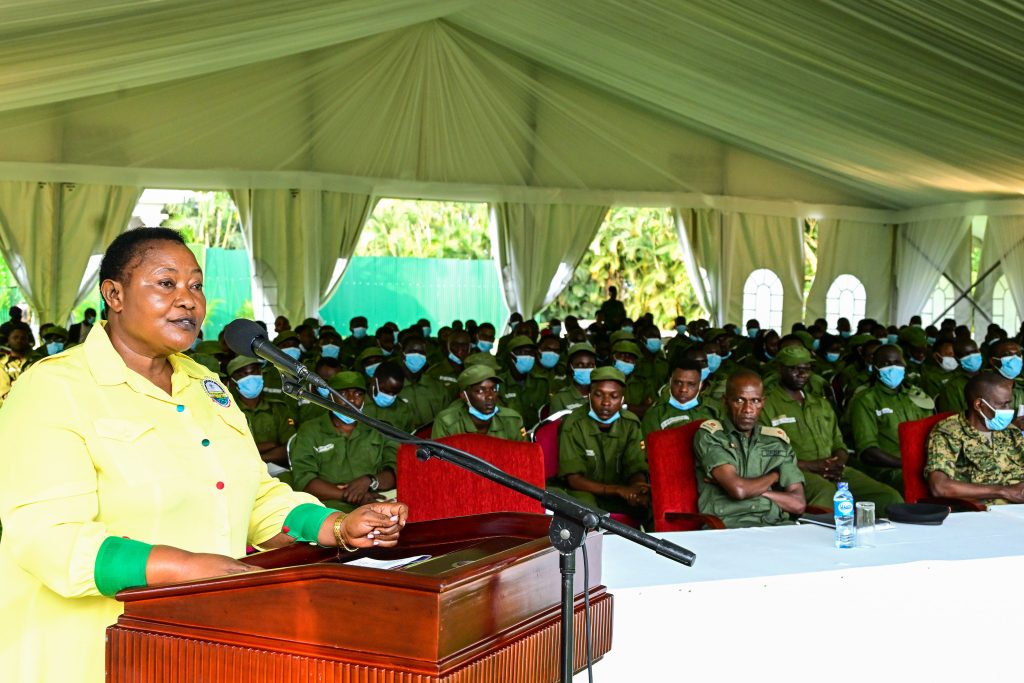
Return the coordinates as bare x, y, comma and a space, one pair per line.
125, 463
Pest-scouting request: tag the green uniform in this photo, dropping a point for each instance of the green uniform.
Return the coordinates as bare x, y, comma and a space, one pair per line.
719, 443
961, 452
638, 390
816, 385
426, 397
398, 414
851, 377
555, 377
663, 415
352, 347
270, 420
320, 451
933, 378
654, 367
567, 398
813, 431
526, 398
613, 312
951, 397
604, 454
455, 419
447, 373
875, 415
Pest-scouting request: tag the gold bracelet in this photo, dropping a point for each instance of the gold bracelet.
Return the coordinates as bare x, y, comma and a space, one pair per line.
337, 533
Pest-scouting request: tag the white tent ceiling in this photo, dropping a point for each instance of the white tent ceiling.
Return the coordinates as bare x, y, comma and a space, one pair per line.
877, 105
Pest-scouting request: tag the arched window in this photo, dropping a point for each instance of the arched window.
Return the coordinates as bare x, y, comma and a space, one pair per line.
1004, 309
264, 293
846, 298
941, 299
762, 298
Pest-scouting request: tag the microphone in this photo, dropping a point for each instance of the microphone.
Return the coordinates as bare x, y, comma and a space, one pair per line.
246, 338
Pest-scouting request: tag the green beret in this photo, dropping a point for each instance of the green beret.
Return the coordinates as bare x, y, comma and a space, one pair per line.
713, 333
285, 336
913, 336
858, 339
581, 347
239, 362
620, 335
369, 352
519, 342
55, 329
626, 347
794, 355
608, 373
805, 337
347, 380
209, 347
474, 374
481, 358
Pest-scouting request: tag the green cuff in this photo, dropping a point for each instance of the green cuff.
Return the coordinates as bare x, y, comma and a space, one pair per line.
304, 521
120, 564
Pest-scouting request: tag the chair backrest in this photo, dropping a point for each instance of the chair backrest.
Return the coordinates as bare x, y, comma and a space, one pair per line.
436, 489
424, 431
914, 453
673, 475
546, 436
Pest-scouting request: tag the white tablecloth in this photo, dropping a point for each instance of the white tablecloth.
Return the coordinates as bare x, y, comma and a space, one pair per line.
936, 603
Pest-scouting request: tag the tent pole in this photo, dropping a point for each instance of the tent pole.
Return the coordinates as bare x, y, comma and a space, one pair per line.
964, 294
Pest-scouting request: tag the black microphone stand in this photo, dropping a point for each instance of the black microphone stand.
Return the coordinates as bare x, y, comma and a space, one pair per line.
569, 524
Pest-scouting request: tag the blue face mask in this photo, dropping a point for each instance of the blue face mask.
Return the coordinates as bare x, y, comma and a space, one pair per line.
915, 361
704, 374
582, 376
396, 336
195, 344
769, 356
1010, 366
696, 338
330, 350
371, 369
556, 330
358, 332
832, 356
653, 345
383, 400
344, 418
426, 331
415, 361
971, 362
627, 328
892, 338
90, 319
455, 360
388, 353
752, 332
292, 352
485, 346
609, 421
524, 364
892, 375
250, 386
625, 367
1000, 420
714, 362
931, 341
815, 344
845, 334
54, 347
871, 368
482, 415
548, 359
681, 330
689, 405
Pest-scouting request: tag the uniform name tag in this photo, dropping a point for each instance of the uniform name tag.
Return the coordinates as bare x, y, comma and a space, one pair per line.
783, 420
447, 378
512, 395
883, 411
324, 448
589, 453
271, 390
672, 420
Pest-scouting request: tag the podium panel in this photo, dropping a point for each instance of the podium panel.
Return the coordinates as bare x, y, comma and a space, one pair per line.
483, 607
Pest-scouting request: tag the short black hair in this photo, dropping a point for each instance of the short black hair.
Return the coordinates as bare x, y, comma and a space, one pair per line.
389, 369
327, 362
982, 384
687, 364
128, 249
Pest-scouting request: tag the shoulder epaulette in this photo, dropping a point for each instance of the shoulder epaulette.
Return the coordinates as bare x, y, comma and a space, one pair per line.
711, 426
777, 432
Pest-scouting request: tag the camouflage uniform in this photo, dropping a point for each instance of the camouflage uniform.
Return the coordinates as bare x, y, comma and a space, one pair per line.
961, 452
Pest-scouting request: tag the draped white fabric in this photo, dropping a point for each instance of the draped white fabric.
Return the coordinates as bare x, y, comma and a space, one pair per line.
299, 236
990, 256
48, 232
860, 249
923, 252
1007, 235
700, 234
538, 246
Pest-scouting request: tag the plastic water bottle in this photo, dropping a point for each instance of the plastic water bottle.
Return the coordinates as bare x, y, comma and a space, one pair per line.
842, 503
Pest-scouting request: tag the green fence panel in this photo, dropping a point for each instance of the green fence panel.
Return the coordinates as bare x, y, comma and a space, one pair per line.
404, 290
228, 290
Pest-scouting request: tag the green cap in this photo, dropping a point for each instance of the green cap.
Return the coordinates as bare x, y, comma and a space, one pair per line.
285, 336
626, 347
239, 362
519, 342
913, 336
607, 373
794, 355
805, 337
474, 374
209, 347
620, 335
581, 347
369, 352
713, 333
858, 339
347, 380
481, 358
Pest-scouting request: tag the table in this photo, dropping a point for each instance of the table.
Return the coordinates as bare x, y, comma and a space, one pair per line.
928, 603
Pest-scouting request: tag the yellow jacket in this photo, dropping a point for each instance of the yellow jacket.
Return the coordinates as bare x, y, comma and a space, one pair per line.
91, 450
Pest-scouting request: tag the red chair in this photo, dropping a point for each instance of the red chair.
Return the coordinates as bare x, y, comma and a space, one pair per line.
914, 454
674, 480
436, 489
424, 431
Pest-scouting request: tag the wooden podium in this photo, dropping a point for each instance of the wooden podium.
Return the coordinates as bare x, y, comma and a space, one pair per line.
485, 607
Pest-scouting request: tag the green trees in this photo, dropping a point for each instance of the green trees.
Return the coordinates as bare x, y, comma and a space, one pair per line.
423, 229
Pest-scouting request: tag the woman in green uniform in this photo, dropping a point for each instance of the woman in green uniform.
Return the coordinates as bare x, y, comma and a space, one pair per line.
127, 464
